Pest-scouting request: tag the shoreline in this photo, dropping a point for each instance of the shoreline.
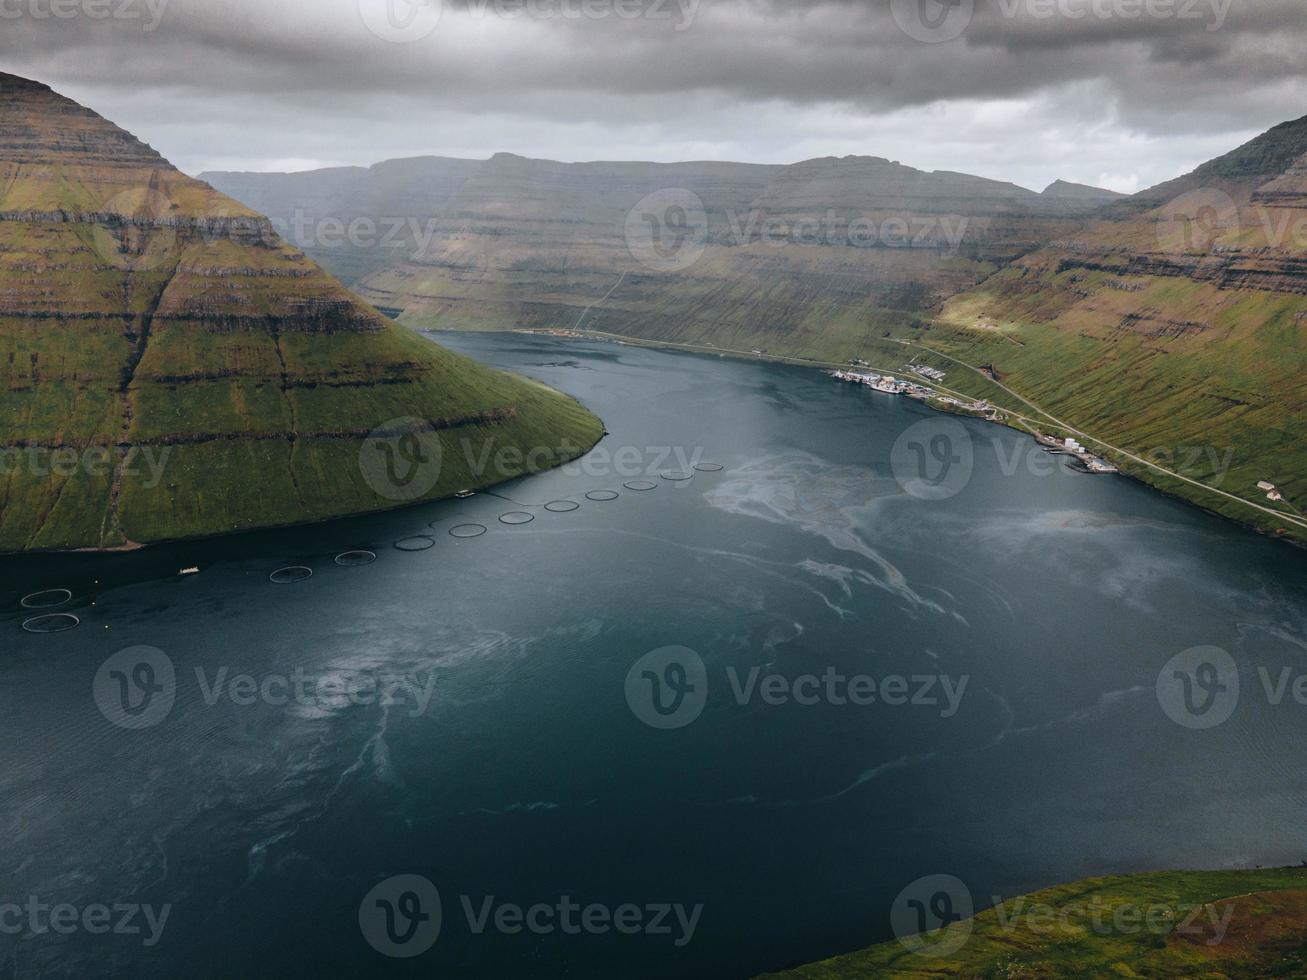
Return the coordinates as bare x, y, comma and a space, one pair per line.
1298, 540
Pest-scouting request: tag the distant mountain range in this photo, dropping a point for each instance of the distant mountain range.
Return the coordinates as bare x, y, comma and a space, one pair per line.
1167, 326
511, 241
173, 369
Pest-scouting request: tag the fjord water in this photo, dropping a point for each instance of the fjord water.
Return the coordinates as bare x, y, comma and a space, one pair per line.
528, 776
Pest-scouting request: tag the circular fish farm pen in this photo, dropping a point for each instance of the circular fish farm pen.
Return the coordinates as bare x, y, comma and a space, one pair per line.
640, 486
602, 495
516, 517
53, 623
468, 531
418, 542
678, 476
562, 506
355, 559
709, 467
48, 599
291, 574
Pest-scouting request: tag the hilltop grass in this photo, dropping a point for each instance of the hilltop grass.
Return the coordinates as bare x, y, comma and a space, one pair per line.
1266, 935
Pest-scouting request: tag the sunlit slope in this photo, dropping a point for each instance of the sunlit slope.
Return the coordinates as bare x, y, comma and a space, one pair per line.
172, 368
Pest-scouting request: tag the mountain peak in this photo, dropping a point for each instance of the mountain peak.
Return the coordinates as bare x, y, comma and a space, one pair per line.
1070, 189
39, 127
16, 83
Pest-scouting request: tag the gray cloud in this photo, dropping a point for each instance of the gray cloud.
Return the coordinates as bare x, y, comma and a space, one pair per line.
1128, 92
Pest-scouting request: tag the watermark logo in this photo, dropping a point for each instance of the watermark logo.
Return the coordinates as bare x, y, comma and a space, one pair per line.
131, 237
401, 21
933, 459
401, 917
401, 460
933, 21
38, 918
139, 462
932, 915
1194, 221
668, 688
1199, 688
668, 230
148, 13
136, 687
1206, 924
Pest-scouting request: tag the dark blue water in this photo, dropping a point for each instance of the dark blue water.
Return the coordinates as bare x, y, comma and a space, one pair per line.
528, 776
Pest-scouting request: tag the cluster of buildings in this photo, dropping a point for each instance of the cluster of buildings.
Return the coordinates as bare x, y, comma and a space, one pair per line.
891, 385
1073, 447
1272, 492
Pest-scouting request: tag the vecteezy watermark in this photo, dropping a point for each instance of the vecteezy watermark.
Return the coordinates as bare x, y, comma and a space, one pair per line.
667, 231
402, 917
1202, 923
409, 21
99, 461
1194, 221
401, 21
148, 13
1199, 687
939, 21
137, 688
932, 915
1197, 220
37, 918
933, 21
392, 233
668, 689
630, 462
679, 13
938, 233
401, 460
933, 459
831, 687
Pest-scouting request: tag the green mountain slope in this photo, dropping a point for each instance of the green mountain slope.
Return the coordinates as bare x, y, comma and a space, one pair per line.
1206, 925
1174, 328
172, 368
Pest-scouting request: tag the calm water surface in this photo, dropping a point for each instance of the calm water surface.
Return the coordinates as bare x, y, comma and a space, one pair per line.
527, 776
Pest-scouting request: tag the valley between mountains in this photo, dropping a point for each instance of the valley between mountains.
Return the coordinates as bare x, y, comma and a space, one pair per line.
1164, 329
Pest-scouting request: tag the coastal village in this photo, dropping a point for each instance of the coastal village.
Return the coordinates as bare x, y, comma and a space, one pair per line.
890, 385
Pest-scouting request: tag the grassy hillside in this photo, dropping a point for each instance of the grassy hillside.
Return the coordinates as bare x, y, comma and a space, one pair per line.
172, 368
1205, 925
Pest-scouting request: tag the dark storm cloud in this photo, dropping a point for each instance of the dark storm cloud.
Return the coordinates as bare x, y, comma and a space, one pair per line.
771, 78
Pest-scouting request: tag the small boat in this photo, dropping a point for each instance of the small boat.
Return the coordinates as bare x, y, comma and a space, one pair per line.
464, 494
193, 570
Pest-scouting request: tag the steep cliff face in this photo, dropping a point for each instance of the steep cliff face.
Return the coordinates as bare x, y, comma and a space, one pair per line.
765, 256
170, 367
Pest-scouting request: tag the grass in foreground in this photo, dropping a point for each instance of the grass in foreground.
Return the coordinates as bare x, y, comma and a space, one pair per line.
1200, 924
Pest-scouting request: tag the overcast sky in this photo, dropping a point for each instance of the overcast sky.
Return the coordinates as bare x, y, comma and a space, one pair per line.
1120, 93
